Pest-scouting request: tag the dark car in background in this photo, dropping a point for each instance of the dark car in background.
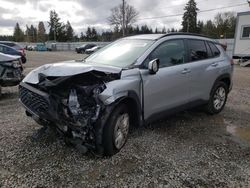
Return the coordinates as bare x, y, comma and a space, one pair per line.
12, 51
84, 47
14, 45
11, 70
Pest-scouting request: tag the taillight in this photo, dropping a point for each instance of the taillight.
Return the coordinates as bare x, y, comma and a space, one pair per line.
22, 51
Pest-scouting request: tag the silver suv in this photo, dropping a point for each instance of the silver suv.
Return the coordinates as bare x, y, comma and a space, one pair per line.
131, 82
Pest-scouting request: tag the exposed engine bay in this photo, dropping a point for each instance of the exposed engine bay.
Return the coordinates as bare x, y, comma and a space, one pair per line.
71, 103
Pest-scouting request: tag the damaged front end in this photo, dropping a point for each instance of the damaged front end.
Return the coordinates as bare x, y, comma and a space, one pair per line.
11, 72
71, 103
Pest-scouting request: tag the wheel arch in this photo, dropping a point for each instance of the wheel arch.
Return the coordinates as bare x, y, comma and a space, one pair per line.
223, 78
134, 105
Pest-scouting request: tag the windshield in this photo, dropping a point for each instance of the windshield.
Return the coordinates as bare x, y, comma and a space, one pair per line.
121, 53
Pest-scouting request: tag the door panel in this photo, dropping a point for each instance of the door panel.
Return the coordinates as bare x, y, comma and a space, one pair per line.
203, 74
167, 89
204, 68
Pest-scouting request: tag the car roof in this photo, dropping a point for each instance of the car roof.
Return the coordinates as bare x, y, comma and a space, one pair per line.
12, 43
7, 42
147, 36
159, 36
7, 46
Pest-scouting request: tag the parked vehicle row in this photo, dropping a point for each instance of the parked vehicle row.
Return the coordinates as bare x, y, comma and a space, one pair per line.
131, 82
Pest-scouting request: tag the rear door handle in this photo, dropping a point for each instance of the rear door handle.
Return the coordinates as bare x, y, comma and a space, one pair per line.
214, 64
186, 71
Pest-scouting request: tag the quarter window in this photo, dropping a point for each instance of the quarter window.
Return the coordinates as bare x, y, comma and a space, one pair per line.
197, 50
246, 32
214, 49
169, 53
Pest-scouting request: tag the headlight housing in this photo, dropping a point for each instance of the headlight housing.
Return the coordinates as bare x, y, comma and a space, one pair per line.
14, 64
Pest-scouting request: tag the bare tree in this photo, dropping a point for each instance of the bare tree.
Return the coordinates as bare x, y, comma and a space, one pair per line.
116, 18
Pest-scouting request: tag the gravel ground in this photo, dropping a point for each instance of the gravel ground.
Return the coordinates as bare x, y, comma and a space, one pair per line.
189, 149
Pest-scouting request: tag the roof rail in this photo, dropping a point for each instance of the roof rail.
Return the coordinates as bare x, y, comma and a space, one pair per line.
184, 33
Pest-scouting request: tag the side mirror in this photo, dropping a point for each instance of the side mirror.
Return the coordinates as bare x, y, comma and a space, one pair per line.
153, 66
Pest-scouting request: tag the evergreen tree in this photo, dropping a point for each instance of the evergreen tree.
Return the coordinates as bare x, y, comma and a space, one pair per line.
82, 37
69, 32
209, 29
41, 32
18, 35
156, 30
57, 29
163, 30
189, 23
88, 34
145, 30
200, 26
94, 35
6, 38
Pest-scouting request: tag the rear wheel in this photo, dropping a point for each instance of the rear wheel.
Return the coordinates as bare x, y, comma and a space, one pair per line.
116, 130
218, 98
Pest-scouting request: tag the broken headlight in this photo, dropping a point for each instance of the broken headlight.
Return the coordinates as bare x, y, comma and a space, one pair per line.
12, 64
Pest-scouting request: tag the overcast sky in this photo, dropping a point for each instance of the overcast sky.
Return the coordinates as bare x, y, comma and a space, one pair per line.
84, 13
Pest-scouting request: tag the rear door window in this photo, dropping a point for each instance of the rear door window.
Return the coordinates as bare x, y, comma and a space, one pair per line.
197, 50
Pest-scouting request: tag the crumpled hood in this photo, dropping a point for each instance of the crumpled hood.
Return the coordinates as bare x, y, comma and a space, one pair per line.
67, 68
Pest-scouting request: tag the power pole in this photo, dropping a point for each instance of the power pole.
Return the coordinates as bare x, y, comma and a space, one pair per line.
123, 17
54, 33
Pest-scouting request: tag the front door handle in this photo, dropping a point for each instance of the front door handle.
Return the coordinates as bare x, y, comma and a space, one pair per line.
186, 71
214, 64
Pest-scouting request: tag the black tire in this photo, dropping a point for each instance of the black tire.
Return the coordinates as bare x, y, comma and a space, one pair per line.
23, 59
210, 107
109, 129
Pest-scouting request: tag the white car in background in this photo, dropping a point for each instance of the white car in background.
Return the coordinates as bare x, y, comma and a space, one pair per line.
92, 50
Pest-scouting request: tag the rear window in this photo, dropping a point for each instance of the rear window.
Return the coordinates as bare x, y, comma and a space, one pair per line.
12, 44
214, 49
197, 50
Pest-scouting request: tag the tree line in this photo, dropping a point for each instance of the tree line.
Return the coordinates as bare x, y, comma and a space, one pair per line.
125, 15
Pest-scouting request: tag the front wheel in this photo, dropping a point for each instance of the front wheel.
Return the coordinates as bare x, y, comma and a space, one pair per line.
218, 98
116, 130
